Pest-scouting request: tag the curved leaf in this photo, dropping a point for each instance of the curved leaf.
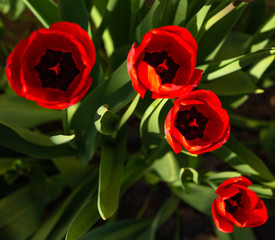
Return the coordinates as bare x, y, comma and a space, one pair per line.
25, 141
45, 10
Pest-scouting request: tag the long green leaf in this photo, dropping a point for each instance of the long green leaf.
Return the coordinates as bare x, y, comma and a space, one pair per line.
147, 23
263, 35
195, 23
216, 70
74, 11
152, 122
72, 170
57, 222
181, 12
167, 167
110, 173
85, 218
232, 84
211, 41
194, 198
242, 159
45, 10
33, 144
119, 230
250, 158
20, 215
134, 170
19, 111
163, 214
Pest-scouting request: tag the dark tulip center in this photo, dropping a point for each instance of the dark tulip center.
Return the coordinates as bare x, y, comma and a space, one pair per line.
56, 69
232, 204
191, 123
165, 66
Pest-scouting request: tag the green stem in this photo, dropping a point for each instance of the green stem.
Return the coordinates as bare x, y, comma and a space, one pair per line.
65, 121
129, 111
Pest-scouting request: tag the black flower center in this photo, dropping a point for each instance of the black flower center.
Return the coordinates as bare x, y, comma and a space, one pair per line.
191, 123
56, 69
232, 204
165, 66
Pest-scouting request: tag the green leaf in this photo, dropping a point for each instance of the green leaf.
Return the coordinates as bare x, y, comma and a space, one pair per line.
235, 161
73, 204
60, 139
181, 12
189, 174
263, 35
259, 68
119, 230
106, 122
20, 215
134, 170
233, 102
110, 174
85, 218
250, 158
165, 12
216, 70
30, 143
163, 214
211, 41
232, 84
108, 15
130, 110
147, 23
167, 167
74, 11
262, 191
235, 153
55, 226
45, 10
243, 233
16, 8
119, 27
250, 124
234, 45
195, 23
222, 176
152, 122
25, 113
72, 170
194, 198
267, 137
116, 92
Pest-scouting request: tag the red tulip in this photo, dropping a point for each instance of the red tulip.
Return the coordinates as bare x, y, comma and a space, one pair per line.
52, 66
197, 122
237, 205
164, 63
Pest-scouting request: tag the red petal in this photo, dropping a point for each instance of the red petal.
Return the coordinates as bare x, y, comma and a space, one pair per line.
175, 145
235, 180
137, 85
14, 65
196, 77
228, 192
80, 34
177, 48
258, 216
183, 33
221, 222
148, 76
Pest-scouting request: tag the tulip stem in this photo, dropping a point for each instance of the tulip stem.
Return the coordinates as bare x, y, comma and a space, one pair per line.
65, 121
